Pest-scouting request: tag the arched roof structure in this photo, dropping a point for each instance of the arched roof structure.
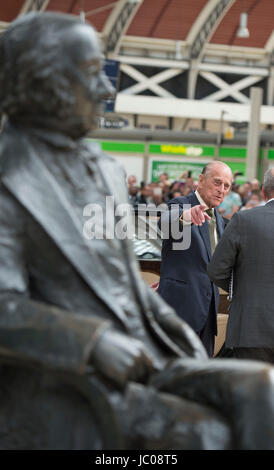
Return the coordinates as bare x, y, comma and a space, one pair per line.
163, 19
177, 48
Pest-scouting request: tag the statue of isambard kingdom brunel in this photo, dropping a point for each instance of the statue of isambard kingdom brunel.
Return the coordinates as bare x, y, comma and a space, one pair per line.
90, 357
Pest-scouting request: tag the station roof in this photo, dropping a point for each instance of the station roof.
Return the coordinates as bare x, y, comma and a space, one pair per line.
167, 19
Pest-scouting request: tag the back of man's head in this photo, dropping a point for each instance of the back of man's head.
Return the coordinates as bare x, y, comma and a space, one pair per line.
268, 185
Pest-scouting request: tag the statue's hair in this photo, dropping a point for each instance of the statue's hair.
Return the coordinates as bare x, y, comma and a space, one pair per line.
34, 75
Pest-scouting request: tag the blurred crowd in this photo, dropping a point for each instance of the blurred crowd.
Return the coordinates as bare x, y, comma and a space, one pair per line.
241, 196
162, 191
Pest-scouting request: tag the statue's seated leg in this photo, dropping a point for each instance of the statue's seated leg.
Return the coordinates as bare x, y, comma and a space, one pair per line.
39, 411
153, 420
242, 391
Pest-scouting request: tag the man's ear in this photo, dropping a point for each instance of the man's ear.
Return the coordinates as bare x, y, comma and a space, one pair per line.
201, 178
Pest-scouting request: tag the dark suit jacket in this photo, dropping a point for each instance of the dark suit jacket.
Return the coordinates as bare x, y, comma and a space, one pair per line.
247, 247
184, 282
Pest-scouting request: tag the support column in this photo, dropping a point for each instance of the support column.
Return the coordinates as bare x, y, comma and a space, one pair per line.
253, 139
146, 163
270, 87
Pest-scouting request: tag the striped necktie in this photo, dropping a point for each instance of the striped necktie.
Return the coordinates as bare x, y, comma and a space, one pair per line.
212, 229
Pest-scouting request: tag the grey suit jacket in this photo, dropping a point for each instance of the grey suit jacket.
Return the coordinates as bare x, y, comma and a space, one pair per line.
247, 247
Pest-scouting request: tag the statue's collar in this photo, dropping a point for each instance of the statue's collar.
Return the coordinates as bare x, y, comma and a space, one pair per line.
56, 139
53, 138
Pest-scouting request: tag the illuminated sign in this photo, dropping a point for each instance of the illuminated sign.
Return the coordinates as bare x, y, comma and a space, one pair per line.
181, 149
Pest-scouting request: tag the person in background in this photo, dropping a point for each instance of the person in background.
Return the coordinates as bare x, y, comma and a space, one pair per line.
163, 178
184, 283
132, 189
245, 191
231, 204
255, 199
255, 185
132, 181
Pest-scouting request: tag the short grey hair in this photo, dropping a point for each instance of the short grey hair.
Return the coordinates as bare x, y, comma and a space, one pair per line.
269, 182
209, 167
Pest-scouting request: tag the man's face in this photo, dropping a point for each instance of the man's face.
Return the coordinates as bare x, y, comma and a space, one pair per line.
91, 86
215, 185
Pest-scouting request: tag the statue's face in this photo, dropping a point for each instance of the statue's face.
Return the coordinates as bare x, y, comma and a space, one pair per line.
92, 85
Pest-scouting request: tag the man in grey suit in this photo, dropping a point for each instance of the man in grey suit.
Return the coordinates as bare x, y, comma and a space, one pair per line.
76, 311
247, 249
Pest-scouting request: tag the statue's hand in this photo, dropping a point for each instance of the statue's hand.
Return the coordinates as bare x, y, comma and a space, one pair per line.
122, 358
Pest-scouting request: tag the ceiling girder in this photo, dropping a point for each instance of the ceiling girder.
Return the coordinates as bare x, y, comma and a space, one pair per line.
118, 23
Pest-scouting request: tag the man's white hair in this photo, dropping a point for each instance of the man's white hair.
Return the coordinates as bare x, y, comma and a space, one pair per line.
211, 165
269, 182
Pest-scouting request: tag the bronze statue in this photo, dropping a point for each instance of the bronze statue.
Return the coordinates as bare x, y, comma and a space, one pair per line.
90, 357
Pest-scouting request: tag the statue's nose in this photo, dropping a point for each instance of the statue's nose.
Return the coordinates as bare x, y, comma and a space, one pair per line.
106, 90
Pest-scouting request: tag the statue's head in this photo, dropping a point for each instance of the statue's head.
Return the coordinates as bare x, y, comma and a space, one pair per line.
51, 71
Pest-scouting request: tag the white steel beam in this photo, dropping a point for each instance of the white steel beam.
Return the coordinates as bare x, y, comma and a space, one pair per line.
200, 34
240, 70
152, 47
227, 89
149, 61
204, 22
193, 109
118, 23
148, 83
33, 5
184, 65
3, 26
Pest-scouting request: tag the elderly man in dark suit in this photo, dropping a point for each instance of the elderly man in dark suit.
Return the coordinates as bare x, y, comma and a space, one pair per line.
247, 249
184, 282
74, 311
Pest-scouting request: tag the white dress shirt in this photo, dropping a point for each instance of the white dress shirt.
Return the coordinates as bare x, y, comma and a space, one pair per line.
202, 202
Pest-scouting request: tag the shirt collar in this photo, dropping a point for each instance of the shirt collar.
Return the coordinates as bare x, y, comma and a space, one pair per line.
272, 199
201, 201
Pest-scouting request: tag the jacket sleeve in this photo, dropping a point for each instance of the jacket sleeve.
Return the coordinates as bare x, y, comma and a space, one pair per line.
225, 254
172, 215
35, 331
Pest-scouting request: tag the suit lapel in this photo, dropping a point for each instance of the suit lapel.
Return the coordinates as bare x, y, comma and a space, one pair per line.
36, 189
206, 238
203, 230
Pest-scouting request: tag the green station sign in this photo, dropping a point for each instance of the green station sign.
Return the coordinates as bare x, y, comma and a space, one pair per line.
174, 169
182, 149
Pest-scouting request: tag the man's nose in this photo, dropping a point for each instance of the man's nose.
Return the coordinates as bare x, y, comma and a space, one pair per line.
222, 188
105, 88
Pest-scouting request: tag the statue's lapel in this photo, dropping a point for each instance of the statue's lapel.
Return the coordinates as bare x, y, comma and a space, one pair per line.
36, 189
112, 178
